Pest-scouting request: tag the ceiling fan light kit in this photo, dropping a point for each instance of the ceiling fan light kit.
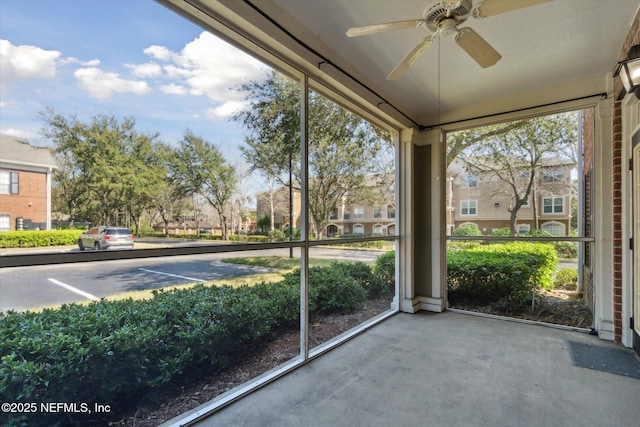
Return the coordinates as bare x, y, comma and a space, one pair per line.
443, 18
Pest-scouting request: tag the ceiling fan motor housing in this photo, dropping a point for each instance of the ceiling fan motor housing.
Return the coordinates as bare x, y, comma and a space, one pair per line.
442, 16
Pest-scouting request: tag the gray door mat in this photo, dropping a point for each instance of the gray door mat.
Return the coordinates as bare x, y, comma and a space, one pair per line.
613, 360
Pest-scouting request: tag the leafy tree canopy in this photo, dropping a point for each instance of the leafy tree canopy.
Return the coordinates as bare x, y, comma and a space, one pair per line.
343, 148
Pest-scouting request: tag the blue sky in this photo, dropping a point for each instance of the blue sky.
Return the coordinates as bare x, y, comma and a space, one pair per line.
129, 58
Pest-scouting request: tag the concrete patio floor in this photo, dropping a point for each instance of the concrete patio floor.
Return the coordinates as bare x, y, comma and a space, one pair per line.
446, 369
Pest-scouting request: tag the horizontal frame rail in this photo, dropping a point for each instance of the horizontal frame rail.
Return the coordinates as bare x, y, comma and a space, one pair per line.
522, 239
46, 258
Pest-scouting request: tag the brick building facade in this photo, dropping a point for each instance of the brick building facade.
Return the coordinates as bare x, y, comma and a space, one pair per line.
25, 185
620, 202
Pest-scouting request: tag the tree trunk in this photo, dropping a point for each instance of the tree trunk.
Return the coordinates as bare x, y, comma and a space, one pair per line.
512, 221
273, 212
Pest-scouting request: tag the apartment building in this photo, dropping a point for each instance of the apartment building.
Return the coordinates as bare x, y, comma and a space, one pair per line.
357, 218
481, 198
25, 185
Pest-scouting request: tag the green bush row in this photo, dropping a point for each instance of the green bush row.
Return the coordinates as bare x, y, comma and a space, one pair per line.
252, 238
501, 271
202, 236
38, 238
116, 352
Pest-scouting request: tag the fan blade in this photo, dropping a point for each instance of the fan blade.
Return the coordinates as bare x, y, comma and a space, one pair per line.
389, 26
477, 48
411, 57
495, 7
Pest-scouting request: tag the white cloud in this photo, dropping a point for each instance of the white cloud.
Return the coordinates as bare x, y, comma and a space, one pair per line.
159, 52
174, 89
225, 110
25, 62
103, 85
150, 69
29, 136
73, 60
208, 66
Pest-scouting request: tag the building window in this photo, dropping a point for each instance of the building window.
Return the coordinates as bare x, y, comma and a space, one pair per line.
8, 182
391, 212
5, 224
553, 175
469, 181
377, 229
358, 229
358, 213
468, 207
523, 228
332, 230
553, 205
554, 228
377, 212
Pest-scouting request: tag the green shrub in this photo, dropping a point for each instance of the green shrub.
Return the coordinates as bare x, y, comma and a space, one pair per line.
151, 234
363, 274
38, 238
283, 298
566, 249
148, 231
467, 230
538, 233
462, 245
502, 232
276, 235
385, 268
331, 291
251, 238
374, 244
501, 271
566, 278
295, 233
118, 352
202, 236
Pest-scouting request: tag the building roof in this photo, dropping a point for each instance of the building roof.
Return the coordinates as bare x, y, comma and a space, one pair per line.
19, 152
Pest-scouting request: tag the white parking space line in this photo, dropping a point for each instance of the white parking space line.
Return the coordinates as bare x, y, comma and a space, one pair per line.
173, 275
76, 290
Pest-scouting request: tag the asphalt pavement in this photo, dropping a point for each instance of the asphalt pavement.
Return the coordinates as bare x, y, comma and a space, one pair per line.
32, 287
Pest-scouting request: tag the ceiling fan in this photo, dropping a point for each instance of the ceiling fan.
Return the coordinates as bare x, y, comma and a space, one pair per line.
443, 18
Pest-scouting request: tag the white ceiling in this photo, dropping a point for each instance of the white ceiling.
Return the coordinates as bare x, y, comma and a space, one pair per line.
545, 45
542, 46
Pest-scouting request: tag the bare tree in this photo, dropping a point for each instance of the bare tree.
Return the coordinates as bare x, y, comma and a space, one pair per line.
515, 159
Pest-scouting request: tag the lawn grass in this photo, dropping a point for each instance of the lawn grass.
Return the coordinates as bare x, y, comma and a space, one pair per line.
277, 262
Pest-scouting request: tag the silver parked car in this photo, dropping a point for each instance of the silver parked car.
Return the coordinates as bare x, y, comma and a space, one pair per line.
102, 237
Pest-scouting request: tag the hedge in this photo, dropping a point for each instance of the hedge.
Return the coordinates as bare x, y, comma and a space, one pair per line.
201, 236
253, 238
117, 352
385, 268
38, 238
503, 271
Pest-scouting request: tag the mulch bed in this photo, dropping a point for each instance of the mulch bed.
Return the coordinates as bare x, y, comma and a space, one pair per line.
557, 307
